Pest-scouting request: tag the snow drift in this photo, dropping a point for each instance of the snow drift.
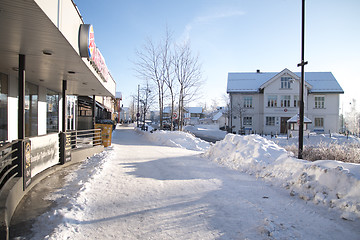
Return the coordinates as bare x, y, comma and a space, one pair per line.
176, 139
332, 183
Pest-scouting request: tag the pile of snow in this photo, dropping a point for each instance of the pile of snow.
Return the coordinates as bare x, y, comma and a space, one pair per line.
176, 139
208, 130
332, 183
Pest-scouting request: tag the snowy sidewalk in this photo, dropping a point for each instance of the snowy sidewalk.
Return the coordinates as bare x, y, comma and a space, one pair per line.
139, 190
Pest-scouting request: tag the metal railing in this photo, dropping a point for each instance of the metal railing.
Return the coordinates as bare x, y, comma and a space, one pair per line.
83, 138
78, 139
10, 159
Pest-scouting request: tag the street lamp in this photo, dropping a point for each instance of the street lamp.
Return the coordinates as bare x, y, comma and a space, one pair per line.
302, 64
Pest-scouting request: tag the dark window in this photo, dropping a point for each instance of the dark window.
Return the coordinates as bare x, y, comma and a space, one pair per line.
270, 121
52, 116
3, 107
31, 110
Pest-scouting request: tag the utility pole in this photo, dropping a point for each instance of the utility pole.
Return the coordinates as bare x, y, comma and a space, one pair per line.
302, 64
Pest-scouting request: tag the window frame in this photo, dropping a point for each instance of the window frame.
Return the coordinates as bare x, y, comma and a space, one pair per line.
247, 121
52, 98
247, 102
285, 101
296, 101
319, 102
319, 122
31, 109
4, 93
270, 121
272, 101
285, 83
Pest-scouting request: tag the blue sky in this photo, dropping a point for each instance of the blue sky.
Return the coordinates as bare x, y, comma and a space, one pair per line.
232, 36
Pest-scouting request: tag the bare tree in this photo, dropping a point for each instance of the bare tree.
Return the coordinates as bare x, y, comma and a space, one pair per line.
168, 73
132, 108
188, 74
147, 98
149, 66
227, 112
353, 118
238, 111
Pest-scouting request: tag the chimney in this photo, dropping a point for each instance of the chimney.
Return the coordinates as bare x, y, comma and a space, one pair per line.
258, 71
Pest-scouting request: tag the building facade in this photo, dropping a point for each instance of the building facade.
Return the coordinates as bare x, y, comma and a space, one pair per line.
263, 102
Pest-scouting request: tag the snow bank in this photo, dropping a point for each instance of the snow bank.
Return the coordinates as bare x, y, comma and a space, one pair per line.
212, 131
332, 183
176, 139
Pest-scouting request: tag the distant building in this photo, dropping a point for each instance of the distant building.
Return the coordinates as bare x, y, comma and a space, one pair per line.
220, 119
265, 101
193, 115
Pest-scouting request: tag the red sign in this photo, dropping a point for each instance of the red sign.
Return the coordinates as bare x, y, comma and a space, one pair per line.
89, 50
91, 42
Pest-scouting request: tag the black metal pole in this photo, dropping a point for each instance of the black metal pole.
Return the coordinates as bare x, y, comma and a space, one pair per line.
21, 103
93, 112
64, 88
302, 64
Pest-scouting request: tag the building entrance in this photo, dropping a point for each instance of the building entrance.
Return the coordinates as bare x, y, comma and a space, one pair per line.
283, 126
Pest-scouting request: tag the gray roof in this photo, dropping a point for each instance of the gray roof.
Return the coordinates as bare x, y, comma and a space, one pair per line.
321, 82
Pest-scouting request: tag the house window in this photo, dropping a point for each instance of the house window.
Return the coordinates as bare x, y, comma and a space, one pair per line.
319, 102
52, 116
31, 109
3, 107
285, 82
319, 122
247, 121
248, 102
272, 101
296, 101
285, 101
270, 121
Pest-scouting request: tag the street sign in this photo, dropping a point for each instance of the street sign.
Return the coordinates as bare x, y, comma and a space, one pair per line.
175, 116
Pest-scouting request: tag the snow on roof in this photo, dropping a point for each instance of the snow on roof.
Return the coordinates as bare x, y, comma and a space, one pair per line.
194, 109
321, 82
217, 116
294, 119
167, 110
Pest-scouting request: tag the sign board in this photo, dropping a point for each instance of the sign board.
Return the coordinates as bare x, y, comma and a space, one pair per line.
89, 50
175, 116
44, 152
27, 164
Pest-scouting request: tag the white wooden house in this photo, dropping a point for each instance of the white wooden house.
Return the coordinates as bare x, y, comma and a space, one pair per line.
263, 102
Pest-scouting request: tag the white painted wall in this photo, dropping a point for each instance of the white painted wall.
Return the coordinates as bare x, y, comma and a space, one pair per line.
260, 110
13, 106
330, 112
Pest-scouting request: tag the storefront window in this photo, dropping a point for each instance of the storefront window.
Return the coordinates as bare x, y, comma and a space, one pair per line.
52, 116
31, 110
3, 107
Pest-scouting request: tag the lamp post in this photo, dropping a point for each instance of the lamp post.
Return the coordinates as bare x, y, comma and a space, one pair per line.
302, 64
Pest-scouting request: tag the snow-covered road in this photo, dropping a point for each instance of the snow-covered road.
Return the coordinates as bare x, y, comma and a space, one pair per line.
141, 190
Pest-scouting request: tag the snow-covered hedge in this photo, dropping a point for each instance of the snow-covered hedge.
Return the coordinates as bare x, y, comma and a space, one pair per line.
335, 184
330, 151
